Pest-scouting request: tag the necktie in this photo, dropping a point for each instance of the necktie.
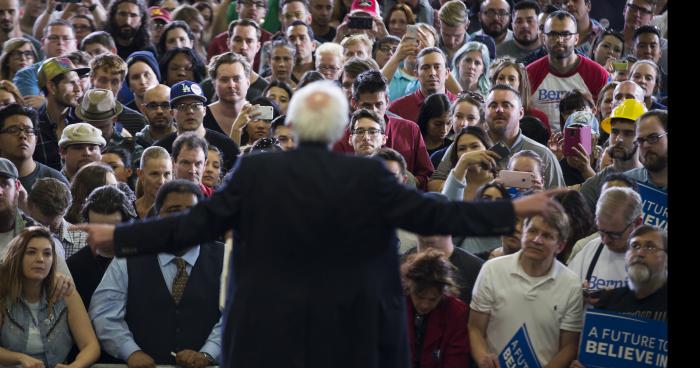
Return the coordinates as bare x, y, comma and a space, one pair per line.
180, 280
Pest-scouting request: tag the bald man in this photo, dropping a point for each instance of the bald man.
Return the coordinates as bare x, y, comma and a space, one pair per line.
156, 108
315, 279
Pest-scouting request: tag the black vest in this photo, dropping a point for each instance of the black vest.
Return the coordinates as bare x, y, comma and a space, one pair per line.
159, 325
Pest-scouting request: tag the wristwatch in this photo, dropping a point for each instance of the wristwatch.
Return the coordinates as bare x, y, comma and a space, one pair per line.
209, 358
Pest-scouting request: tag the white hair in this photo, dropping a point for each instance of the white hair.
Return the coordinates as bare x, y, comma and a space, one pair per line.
623, 201
329, 48
318, 112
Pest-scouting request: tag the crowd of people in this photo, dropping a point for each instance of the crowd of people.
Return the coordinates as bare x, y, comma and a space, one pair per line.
124, 110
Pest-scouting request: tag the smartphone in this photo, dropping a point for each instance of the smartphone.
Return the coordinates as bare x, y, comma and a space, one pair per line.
620, 66
573, 135
359, 22
502, 150
516, 179
262, 113
591, 293
411, 32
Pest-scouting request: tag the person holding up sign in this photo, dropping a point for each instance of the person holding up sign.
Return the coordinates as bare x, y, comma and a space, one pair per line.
528, 287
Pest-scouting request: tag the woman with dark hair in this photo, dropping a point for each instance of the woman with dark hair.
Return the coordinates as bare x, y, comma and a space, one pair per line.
581, 220
176, 34
181, 64
17, 53
398, 18
434, 122
35, 330
607, 48
437, 319
88, 178
475, 164
247, 128
309, 77
190, 15
280, 93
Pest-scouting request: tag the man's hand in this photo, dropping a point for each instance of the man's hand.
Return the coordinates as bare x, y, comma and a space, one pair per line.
489, 361
555, 144
25, 361
191, 359
34, 101
581, 162
100, 237
576, 364
542, 204
139, 359
63, 286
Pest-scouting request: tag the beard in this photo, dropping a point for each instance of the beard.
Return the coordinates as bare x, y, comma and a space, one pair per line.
7, 27
525, 42
619, 152
495, 30
127, 32
639, 274
561, 53
654, 162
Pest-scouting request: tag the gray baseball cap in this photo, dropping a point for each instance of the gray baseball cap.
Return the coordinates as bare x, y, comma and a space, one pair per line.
8, 169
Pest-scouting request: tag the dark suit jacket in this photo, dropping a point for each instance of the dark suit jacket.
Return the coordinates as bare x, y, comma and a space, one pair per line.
315, 265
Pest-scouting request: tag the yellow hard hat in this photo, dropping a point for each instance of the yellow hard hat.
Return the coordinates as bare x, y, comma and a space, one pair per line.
629, 109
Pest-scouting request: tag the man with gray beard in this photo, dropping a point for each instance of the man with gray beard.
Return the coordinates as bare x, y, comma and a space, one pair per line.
646, 292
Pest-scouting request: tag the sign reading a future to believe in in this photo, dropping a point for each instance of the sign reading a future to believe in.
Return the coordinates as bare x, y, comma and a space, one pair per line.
519, 353
611, 340
654, 206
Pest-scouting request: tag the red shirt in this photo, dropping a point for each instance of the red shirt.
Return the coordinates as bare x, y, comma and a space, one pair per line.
446, 340
408, 107
219, 45
206, 190
403, 136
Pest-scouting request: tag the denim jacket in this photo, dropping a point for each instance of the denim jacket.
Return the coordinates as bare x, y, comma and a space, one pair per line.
55, 332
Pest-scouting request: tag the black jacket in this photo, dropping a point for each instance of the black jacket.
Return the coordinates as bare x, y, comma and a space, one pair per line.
315, 280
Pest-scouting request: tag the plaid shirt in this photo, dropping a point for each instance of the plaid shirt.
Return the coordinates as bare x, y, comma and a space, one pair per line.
46, 150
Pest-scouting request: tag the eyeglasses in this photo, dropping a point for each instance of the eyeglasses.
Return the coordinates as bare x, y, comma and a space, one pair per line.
259, 5
635, 8
22, 54
371, 132
614, 235
325, 68
651, 138
492, 13
646, 249
189, 107
155, 106
563, 35
475, 95
15, 130
55, 38
82, 27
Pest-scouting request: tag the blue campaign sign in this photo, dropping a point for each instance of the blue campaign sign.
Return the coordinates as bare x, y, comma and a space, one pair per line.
654, 206
611, 340
519, 352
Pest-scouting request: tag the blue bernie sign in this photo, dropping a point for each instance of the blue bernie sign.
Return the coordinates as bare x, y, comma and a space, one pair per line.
519, 352
611, 340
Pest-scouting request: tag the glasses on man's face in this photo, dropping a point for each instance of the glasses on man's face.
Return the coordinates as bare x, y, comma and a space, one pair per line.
493, 13
257, 4
612, 234
81, 27
359, 132
641, 10
55, 38
651, 138
326, 68
156, 106
16, 130
388, 49
22, 54
189, 106
563, 35
645, 248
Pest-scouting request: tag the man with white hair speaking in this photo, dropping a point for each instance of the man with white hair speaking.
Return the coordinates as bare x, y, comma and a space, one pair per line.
316, 284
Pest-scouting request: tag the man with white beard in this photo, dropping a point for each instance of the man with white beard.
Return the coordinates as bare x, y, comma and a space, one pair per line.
646, 293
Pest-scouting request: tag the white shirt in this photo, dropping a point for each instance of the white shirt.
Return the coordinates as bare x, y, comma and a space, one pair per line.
512, 298
610, 270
